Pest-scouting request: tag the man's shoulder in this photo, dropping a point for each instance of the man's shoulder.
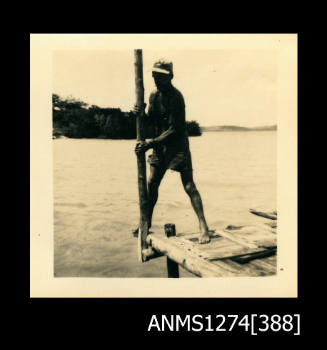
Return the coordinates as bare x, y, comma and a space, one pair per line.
153, 95
178, 95
175, 93
154, 92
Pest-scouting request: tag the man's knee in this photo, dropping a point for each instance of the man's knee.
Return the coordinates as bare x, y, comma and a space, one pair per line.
155, 177
154, 182
190, 188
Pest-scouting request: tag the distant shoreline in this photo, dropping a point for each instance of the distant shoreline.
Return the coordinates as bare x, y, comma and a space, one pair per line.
238, 128
222, 128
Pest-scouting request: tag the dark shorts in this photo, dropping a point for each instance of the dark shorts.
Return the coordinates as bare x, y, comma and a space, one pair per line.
174, 160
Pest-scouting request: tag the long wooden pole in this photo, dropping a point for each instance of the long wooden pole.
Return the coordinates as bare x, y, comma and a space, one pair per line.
141, 165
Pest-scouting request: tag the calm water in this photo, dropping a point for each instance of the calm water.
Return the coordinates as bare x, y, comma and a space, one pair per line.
96, 198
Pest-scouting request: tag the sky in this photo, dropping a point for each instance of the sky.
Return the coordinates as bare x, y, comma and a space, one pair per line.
220, 87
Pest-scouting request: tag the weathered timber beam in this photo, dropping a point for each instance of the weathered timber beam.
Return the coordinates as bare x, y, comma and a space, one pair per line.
242, 259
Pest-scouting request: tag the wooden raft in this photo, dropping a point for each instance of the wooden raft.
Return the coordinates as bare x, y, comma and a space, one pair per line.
233, 251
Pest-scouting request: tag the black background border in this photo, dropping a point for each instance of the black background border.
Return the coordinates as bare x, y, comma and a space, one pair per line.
131, 315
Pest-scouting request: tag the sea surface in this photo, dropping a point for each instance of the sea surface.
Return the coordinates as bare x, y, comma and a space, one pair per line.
96, 198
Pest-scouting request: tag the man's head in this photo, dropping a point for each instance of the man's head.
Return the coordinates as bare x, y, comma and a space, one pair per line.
162, 73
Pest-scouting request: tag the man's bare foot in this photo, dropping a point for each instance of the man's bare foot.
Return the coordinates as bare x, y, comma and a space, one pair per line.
204, 233
204, 238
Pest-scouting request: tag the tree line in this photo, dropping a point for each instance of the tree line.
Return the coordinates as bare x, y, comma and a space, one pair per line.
76, 119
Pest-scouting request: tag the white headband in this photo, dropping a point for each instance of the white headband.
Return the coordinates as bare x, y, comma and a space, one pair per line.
160, 70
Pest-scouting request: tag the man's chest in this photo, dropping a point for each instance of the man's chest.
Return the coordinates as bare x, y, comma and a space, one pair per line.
162, 103
162, 109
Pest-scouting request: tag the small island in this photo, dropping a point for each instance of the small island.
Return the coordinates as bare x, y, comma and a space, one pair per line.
75, 119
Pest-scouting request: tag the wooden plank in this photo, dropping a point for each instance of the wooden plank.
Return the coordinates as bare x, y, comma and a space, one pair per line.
260, 234
236, 239
267, 268
217, 235
222, 249
232, 252
192, 248
244, 270
189, 259
222, 243
249, 269
266, 227
257, 235
219, 248
243, 259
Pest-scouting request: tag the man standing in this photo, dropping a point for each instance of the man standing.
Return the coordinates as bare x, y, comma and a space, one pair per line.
170, 146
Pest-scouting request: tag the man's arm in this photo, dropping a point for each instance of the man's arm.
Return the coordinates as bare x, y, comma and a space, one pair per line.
143, 146
175, 122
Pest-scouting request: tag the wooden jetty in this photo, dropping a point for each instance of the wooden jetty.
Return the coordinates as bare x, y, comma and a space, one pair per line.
233, 251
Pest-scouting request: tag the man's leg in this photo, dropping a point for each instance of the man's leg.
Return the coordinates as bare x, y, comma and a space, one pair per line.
191, 190
155, 177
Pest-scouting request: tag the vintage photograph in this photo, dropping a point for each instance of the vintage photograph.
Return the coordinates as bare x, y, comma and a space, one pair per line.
208, 129
166, 160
